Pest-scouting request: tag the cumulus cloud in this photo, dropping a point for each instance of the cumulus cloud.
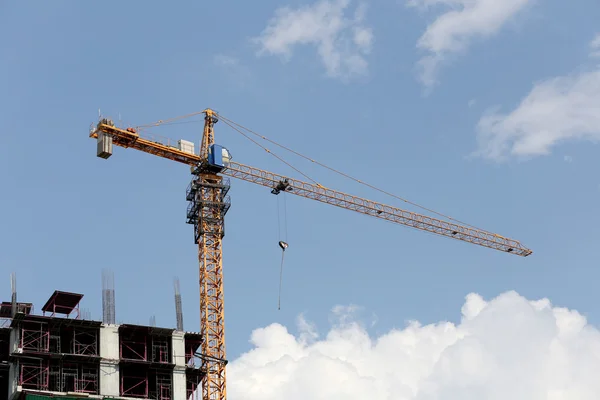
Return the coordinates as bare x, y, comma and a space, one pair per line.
595, 46
237, 73
556, 110
225, 60
342, 42
453, 31
506, 348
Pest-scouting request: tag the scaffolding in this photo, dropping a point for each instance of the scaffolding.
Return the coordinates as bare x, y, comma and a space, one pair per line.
34, 374
55, 342
134, 383
163, 387
192, 344
160, 349
134, 348
193, 384
74, 377
85, 342
194, 371
69, 378
35, 337
55, 379
87, 381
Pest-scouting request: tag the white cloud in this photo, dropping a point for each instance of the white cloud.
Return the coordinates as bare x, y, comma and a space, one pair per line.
225, 60
237, 73
341, 42
507, 348
452, 32
595, 46
556, 110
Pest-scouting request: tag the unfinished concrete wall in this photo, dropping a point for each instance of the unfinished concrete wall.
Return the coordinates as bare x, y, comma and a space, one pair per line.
13, 374
109, 378
14, 341
109, 365
179, 384
178, 346
109, 342
13, 380
179, 392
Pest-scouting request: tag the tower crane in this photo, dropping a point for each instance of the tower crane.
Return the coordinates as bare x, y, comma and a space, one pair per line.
208, 203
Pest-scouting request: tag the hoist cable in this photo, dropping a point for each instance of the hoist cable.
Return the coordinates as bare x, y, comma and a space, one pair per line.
278, 221
285, 224
280, 279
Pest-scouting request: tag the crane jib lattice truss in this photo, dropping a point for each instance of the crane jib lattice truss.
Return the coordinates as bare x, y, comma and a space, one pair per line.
209, 202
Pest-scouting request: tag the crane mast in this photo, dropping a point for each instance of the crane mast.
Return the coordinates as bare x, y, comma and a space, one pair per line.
209, 202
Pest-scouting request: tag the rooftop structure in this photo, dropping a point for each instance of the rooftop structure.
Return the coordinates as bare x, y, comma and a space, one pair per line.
62, 303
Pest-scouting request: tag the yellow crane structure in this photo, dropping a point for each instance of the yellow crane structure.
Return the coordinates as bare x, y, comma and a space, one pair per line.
209, 202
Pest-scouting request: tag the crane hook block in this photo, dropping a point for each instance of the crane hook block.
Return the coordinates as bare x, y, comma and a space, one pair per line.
283, 245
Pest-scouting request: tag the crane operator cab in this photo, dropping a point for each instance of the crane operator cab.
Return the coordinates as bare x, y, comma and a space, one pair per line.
218, 158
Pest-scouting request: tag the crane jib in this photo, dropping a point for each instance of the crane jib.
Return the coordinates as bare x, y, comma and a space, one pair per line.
124, 138
378, 210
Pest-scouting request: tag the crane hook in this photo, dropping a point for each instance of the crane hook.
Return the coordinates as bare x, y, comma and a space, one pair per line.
283, 246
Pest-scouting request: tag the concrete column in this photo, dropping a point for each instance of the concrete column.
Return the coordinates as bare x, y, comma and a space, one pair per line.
13, 389
179, 389
109, 364
13, 373
15, 339
178, 346
109, 378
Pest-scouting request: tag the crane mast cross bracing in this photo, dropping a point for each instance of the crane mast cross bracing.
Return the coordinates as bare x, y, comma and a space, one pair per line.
209, 202
209, 227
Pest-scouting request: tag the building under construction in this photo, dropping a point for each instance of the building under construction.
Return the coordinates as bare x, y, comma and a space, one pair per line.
60, 354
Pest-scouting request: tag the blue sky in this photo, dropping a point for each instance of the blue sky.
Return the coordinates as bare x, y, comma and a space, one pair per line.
484, 111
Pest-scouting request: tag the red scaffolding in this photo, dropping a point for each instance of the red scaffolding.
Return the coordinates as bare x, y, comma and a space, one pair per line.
193, 385
163, 387
85, 341
194, 364
133, 349
6, 309
35, 337
192, 342
58, 354
87, 381
145, 365
134, 382
34, 374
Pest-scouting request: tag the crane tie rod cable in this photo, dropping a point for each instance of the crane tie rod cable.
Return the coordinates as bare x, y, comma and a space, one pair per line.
269, 151
229, 122
170, 120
